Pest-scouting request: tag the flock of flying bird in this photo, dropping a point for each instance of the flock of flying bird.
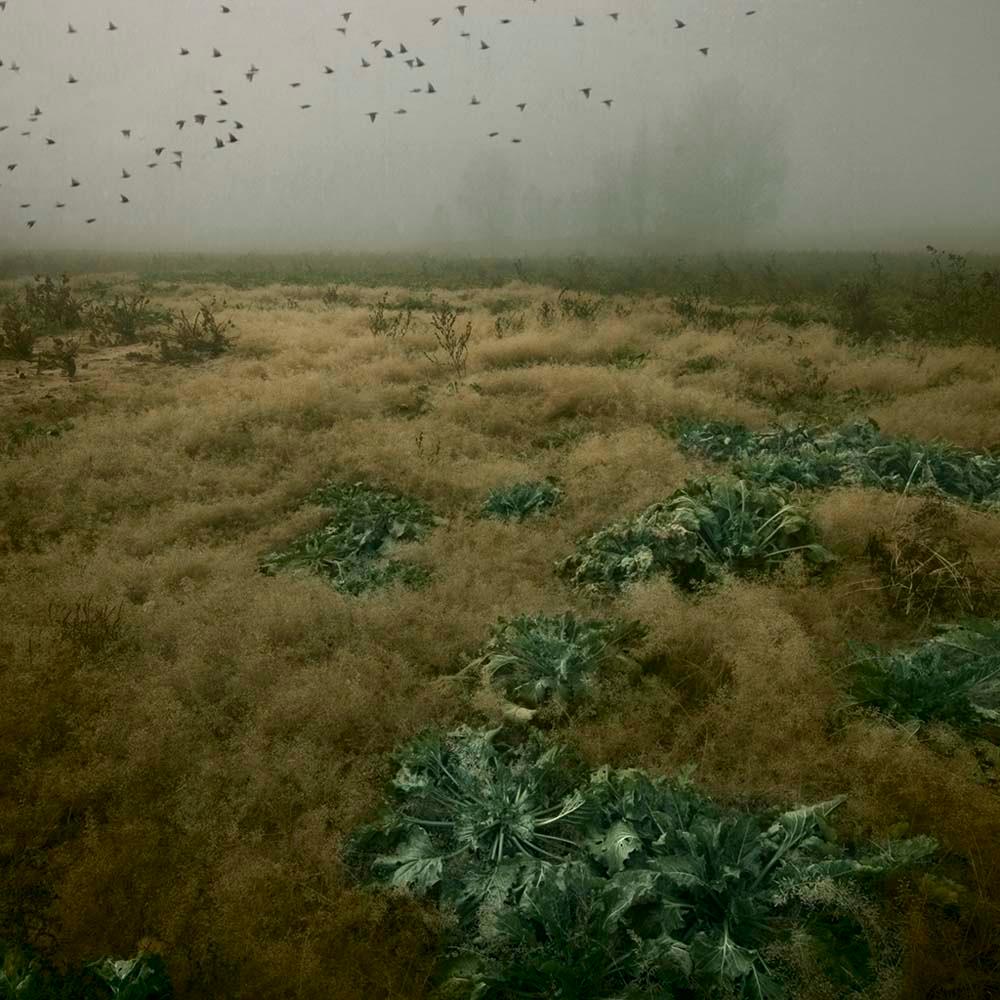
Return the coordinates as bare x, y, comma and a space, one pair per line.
233, 125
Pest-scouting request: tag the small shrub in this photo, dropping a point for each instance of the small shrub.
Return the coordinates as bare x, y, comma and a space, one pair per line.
124, 320
625, 358
454, 344
198, 337
383, 323
507, 503
508, 323
18, 330
53, 305
546, 314
579, 306
61, 354
20, 434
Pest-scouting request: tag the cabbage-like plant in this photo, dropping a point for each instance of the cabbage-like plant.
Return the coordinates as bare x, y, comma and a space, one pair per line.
621, 886
706, 526
534, 658
351, 550
509, 503
952, 678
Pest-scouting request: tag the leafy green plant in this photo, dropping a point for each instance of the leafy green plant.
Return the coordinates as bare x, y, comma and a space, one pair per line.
703, 527
616, 884
25, 975
856, 453
535, 658
351, 550
954, 677
509, 503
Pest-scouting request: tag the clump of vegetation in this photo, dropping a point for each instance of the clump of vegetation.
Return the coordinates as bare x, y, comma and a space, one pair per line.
45, 309
455, 344
535, 659
124, 320
509, 322
953, 678
61, 354
703, 528
25, 975
858, 310
926, 568
579, 306
89, 624
17, 331
612, 883
508, 503
196, 338
54, 306
352, 549
546, 314
857, 454
700, 364
20, 434
625, 358
956, 304
382, 322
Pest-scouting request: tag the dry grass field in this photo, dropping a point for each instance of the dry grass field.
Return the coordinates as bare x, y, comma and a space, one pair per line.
188, 742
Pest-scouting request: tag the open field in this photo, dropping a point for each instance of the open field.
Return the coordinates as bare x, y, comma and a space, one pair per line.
189, 743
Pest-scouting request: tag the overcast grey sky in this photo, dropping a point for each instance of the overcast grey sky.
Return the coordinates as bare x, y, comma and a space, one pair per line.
886, 113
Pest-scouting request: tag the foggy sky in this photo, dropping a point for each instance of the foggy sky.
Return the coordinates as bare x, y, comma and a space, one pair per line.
876, 123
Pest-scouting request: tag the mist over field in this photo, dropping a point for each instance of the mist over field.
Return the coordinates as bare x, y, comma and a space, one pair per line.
810, 124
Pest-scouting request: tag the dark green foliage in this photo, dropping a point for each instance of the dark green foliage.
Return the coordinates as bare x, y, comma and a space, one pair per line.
857, 453
621, 885
515, 503
705, 526
25, 975
956, 304
953, 678
534, 658
351, 549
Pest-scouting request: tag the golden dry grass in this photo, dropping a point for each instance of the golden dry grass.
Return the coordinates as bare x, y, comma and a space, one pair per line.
189, 785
